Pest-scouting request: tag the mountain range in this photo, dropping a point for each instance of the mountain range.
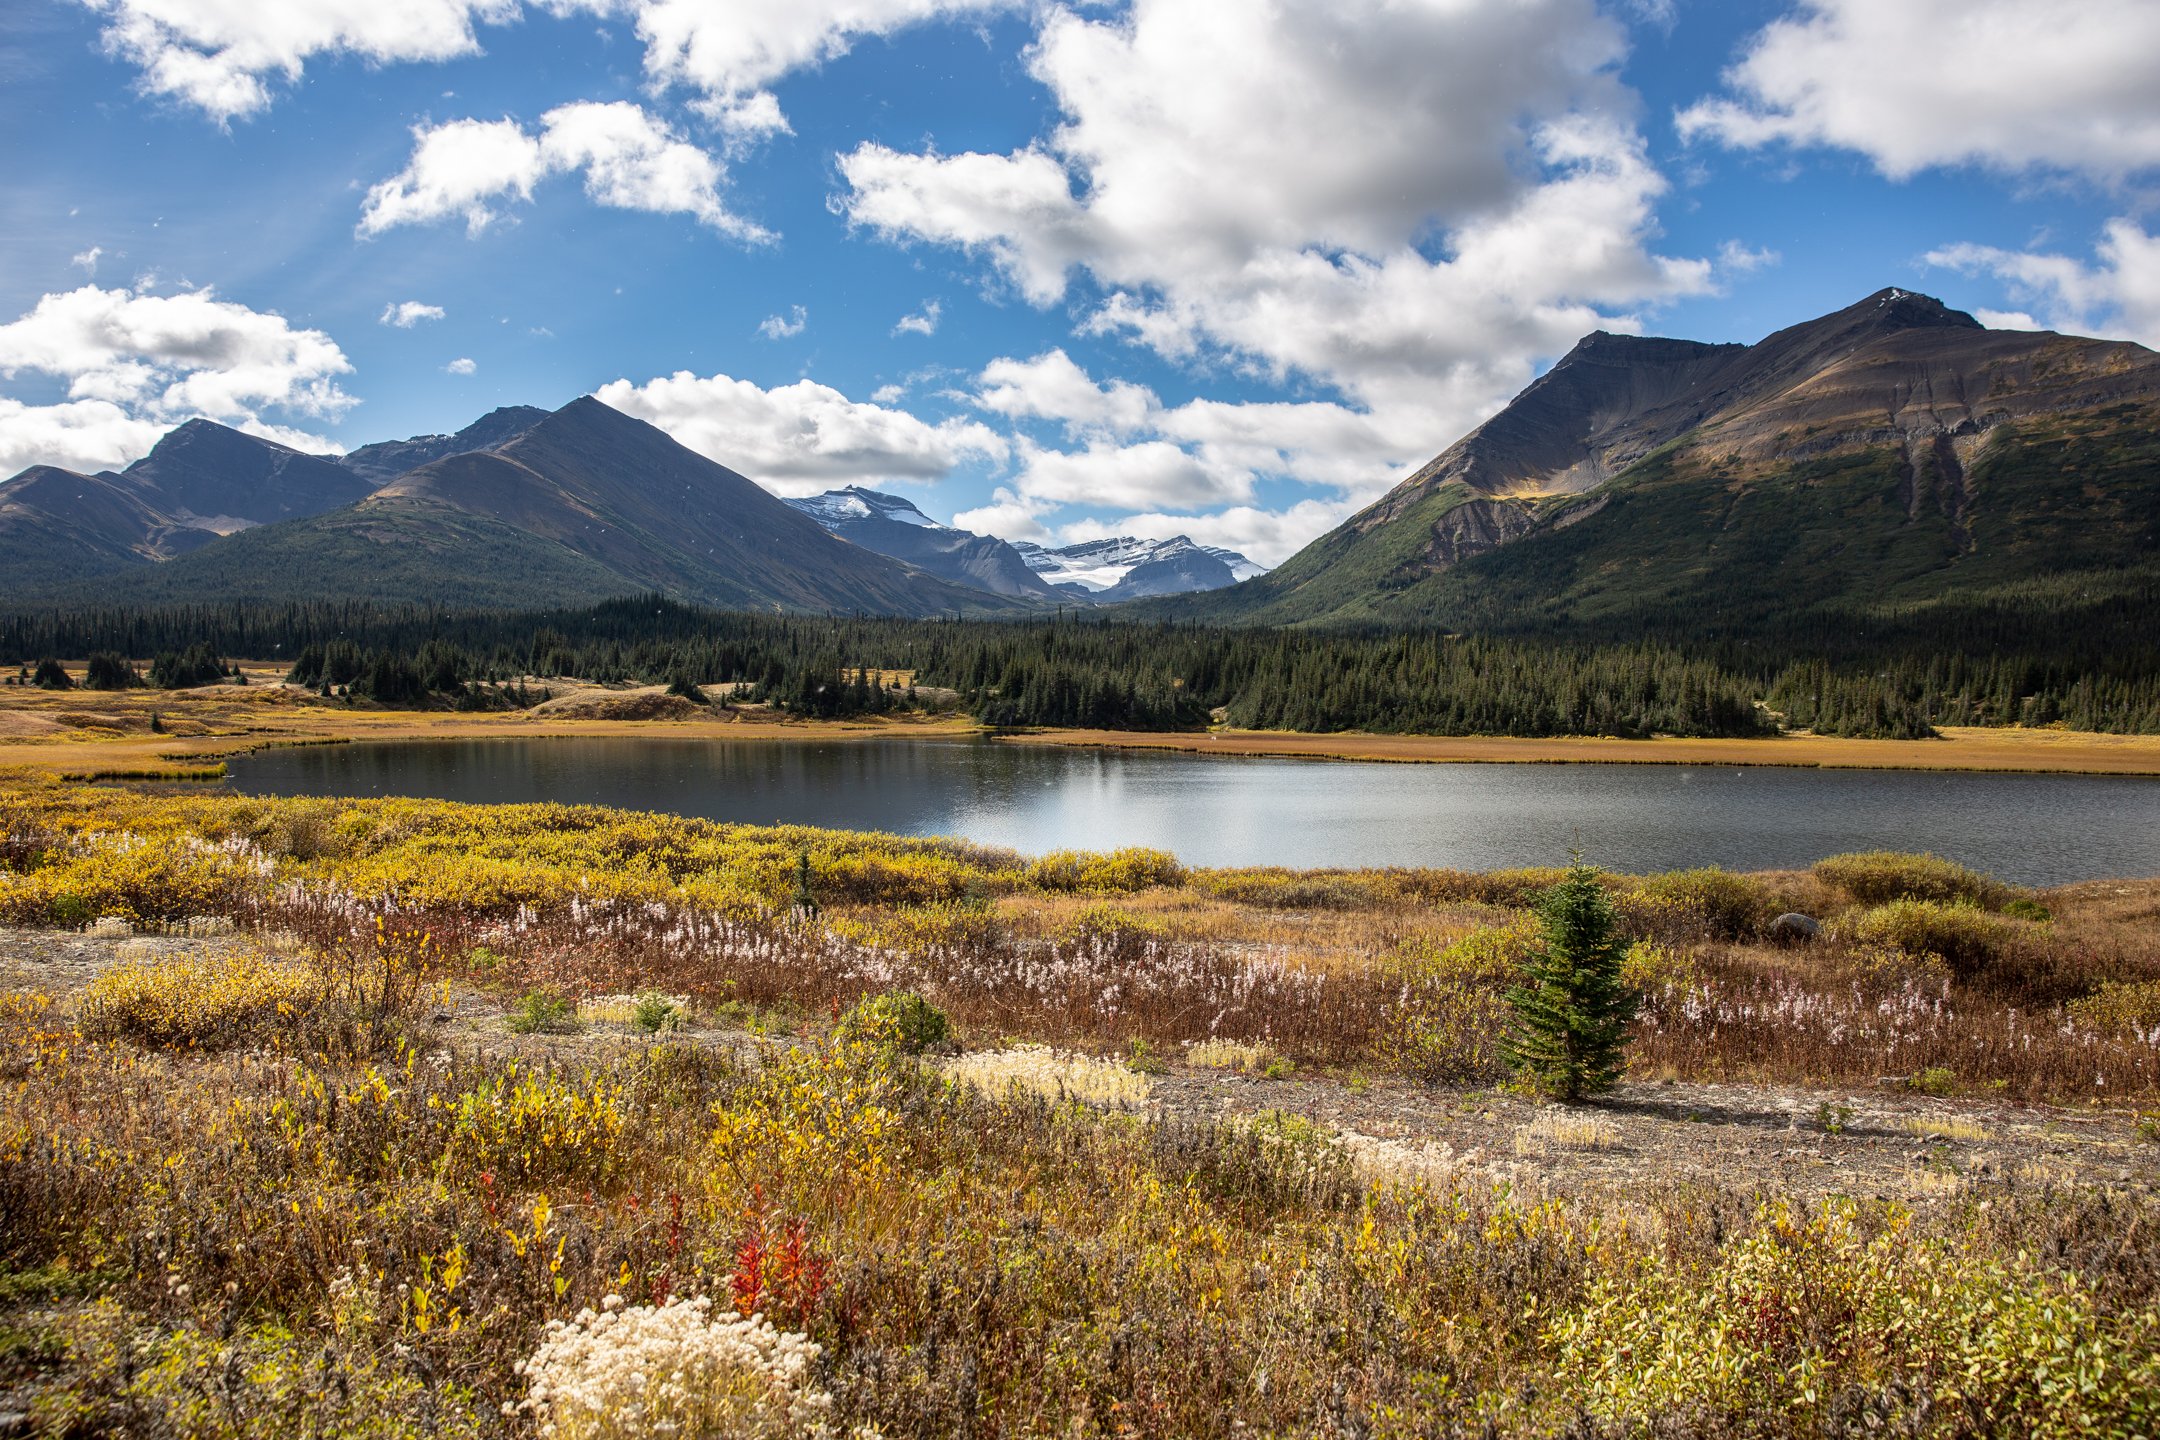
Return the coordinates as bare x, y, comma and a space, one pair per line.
1892, 454
524, 507
1095, 571
1893, 457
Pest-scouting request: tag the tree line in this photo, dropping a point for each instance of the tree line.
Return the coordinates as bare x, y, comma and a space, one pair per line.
1898, 675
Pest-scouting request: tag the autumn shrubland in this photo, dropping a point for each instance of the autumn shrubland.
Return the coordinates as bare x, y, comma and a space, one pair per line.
917, 1182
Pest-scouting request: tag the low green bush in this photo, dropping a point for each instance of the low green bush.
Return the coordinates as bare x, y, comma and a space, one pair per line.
1936, 1080
542, 1014
901, 1018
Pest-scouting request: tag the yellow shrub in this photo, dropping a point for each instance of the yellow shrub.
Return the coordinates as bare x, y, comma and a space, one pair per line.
2120, 1007
1652, 968
1708, 903
1887, 968
815, 1124
1796, 1315
1118, 872
1968, 939
920, 929
540, 1126
147, 879
1113, 922
1875, 877
1488, 955
202, 1001
1275, 888
481, 882
1445, 1028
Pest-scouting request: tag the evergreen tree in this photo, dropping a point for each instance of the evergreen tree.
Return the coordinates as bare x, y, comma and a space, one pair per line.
109, 671
1572, 1011
52, 676
805, 903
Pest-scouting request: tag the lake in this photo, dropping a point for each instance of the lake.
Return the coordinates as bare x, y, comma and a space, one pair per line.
2029, 829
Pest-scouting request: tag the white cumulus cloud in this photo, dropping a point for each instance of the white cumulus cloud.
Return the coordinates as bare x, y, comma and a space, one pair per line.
1410, 203
463, 365
1171, 463
2115, 295
801, 438
222, 57
226, 57
787, 327
1910, 84
87, 260
1128, 477
631, 160
731, 53
134, 363
922, 322
1052, 386
404, 314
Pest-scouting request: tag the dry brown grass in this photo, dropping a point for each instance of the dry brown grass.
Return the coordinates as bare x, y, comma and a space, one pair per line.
81, 734
1960, 748
107, 735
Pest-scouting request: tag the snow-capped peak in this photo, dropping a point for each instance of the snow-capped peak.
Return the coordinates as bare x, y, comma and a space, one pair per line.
854, 503
1098, 565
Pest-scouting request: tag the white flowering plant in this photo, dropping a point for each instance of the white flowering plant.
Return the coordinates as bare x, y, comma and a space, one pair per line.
674, 1369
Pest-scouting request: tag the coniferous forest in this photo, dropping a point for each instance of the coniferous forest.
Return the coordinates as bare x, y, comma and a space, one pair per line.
1894, 676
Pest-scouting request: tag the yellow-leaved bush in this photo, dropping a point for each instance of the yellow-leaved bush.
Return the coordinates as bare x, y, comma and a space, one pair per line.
541, 1125
1802, 1311
815, 1125
206, 1001
1117, 872
143, 878
1451, 1009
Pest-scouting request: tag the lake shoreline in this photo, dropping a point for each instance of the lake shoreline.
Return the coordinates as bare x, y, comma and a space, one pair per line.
1962, 748
105, 735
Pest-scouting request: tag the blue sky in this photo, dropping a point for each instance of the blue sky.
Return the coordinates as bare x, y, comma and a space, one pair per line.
1173, 266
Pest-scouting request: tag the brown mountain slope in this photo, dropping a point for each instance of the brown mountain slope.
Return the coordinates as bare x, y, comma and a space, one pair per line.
215, 478
199, 482
1845, 458
587, 503
56, 525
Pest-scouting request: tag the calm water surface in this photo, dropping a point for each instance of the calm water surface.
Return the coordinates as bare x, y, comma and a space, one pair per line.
2030, 829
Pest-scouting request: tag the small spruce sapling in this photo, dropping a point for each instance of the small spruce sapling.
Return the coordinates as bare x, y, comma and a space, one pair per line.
1569, 1036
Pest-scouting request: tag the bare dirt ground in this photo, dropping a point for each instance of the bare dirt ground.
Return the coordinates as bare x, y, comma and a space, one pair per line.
1884, 1142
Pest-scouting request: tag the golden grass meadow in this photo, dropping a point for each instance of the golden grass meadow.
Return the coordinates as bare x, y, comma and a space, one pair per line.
393, 1117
